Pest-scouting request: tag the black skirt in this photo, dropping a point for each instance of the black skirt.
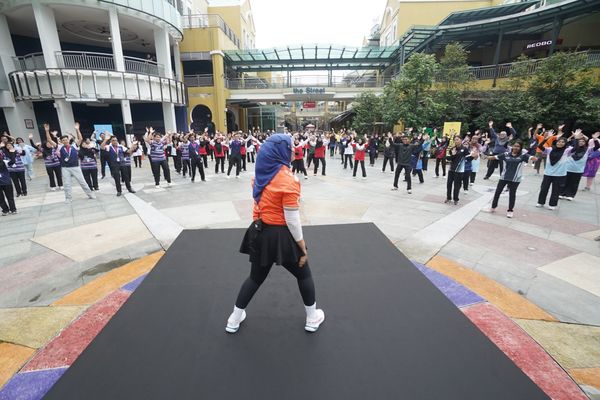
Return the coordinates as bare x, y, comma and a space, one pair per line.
272, 244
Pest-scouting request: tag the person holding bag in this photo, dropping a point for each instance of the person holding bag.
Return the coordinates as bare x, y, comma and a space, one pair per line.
275, 235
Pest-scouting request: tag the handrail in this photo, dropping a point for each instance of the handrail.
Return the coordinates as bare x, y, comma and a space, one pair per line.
201, 80
91, 85
88, 60
191, 21
305, 81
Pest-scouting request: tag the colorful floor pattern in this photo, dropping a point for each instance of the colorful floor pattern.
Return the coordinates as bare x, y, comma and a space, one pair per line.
29, 366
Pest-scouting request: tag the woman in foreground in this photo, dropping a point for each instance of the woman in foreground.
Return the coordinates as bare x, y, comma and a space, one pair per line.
275, 236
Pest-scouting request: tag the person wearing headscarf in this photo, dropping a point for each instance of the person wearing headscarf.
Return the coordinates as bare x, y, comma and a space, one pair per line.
275, 235
576, 164
555, 172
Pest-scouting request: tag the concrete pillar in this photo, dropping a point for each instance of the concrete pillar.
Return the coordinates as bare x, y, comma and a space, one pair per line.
557, 26
163, 57
15, 112
117, 48
177, 59
219, 117
46, 26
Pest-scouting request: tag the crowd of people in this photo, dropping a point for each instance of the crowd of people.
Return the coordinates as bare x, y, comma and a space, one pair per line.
85, 158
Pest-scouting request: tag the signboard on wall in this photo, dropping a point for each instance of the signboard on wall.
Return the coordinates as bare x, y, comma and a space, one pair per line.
540, 44
309, 104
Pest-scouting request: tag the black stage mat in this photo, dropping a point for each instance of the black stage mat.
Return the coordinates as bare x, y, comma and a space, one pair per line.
388, 333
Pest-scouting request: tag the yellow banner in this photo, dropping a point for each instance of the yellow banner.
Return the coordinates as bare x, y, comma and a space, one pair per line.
451, 128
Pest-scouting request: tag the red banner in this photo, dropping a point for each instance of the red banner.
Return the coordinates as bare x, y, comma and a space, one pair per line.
309, 104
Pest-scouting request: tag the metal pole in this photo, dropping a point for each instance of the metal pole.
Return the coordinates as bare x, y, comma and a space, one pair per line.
555, 32
497, 55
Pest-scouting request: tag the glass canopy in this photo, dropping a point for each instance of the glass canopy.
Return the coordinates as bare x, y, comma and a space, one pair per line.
311, 57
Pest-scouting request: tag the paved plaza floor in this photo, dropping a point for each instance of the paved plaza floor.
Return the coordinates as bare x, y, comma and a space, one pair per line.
531, 283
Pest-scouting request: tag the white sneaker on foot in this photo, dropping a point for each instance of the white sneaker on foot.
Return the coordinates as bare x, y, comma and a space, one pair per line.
538, 205
233, 324
509, 214
551, 208
409, 191
312, 324
488, 209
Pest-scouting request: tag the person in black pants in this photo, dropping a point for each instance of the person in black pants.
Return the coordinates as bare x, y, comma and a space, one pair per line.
7, 197
16, 168
388, 153
456, 155
116, 159
195, 159
103, 157
235, 158
440, 155
404, 153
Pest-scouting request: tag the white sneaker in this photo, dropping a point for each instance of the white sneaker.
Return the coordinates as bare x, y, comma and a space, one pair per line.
157, 186
305, 177
228, 177
237, 177
538, 205
488, 209
313, 324
562, 197
233, 324
92, 196
551, 208
569, 198
169, 184
53, 189
409, 191
364, 177
509, 214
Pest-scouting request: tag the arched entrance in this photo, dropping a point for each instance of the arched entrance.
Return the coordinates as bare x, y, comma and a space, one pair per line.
202, 118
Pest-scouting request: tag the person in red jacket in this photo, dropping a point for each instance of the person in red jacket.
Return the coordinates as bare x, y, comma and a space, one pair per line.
298, 162
243, 152
204, 149
218, 150
359, 157
319, 156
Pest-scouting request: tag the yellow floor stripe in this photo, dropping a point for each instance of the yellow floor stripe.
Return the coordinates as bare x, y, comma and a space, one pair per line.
12, 358
511, 303
97, 289
586, 376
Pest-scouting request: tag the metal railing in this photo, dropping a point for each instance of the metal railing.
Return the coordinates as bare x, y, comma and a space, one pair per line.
198, 80
312, 81
162, 9
94, 85
529, 67
191, 21
88, 60
29, 62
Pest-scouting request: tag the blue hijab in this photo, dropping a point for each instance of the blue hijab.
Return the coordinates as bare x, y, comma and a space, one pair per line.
274, 152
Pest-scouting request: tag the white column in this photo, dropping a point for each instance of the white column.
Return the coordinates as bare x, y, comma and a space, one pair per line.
177, 59
15, 112
46, 26
163, 51
163, 57
117, 48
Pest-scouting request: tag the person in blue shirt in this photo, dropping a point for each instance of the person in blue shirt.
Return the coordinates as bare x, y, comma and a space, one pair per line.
555, 172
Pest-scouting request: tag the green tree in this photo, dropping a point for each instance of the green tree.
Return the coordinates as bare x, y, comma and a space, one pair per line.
408, 97
368, 109
564, 89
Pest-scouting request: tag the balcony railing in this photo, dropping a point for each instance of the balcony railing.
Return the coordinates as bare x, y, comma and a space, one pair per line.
313, 81
198, 80
88, 85
162, 9
191, 21
88, 60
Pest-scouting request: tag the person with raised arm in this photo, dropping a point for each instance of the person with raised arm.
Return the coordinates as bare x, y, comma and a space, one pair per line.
16, 167
87, 159
51, 162
576, 162
555, 172
116, 160
68, 154
7, 196
498, 145
158, 159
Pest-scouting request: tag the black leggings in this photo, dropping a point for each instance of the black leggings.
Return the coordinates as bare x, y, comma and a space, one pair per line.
348, 157
512, 193
187, 166
259, 273
6, 191
237, 161
156, 166
221, 161
91, 177
492, 165
362, 167
556, 182
439, 161
18, 179
54, 172
454, 179
137, 161
322, 161
385, 161
571, 184
298, 166
196, 163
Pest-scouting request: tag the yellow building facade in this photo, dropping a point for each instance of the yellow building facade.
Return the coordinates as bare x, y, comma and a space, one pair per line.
225, 26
